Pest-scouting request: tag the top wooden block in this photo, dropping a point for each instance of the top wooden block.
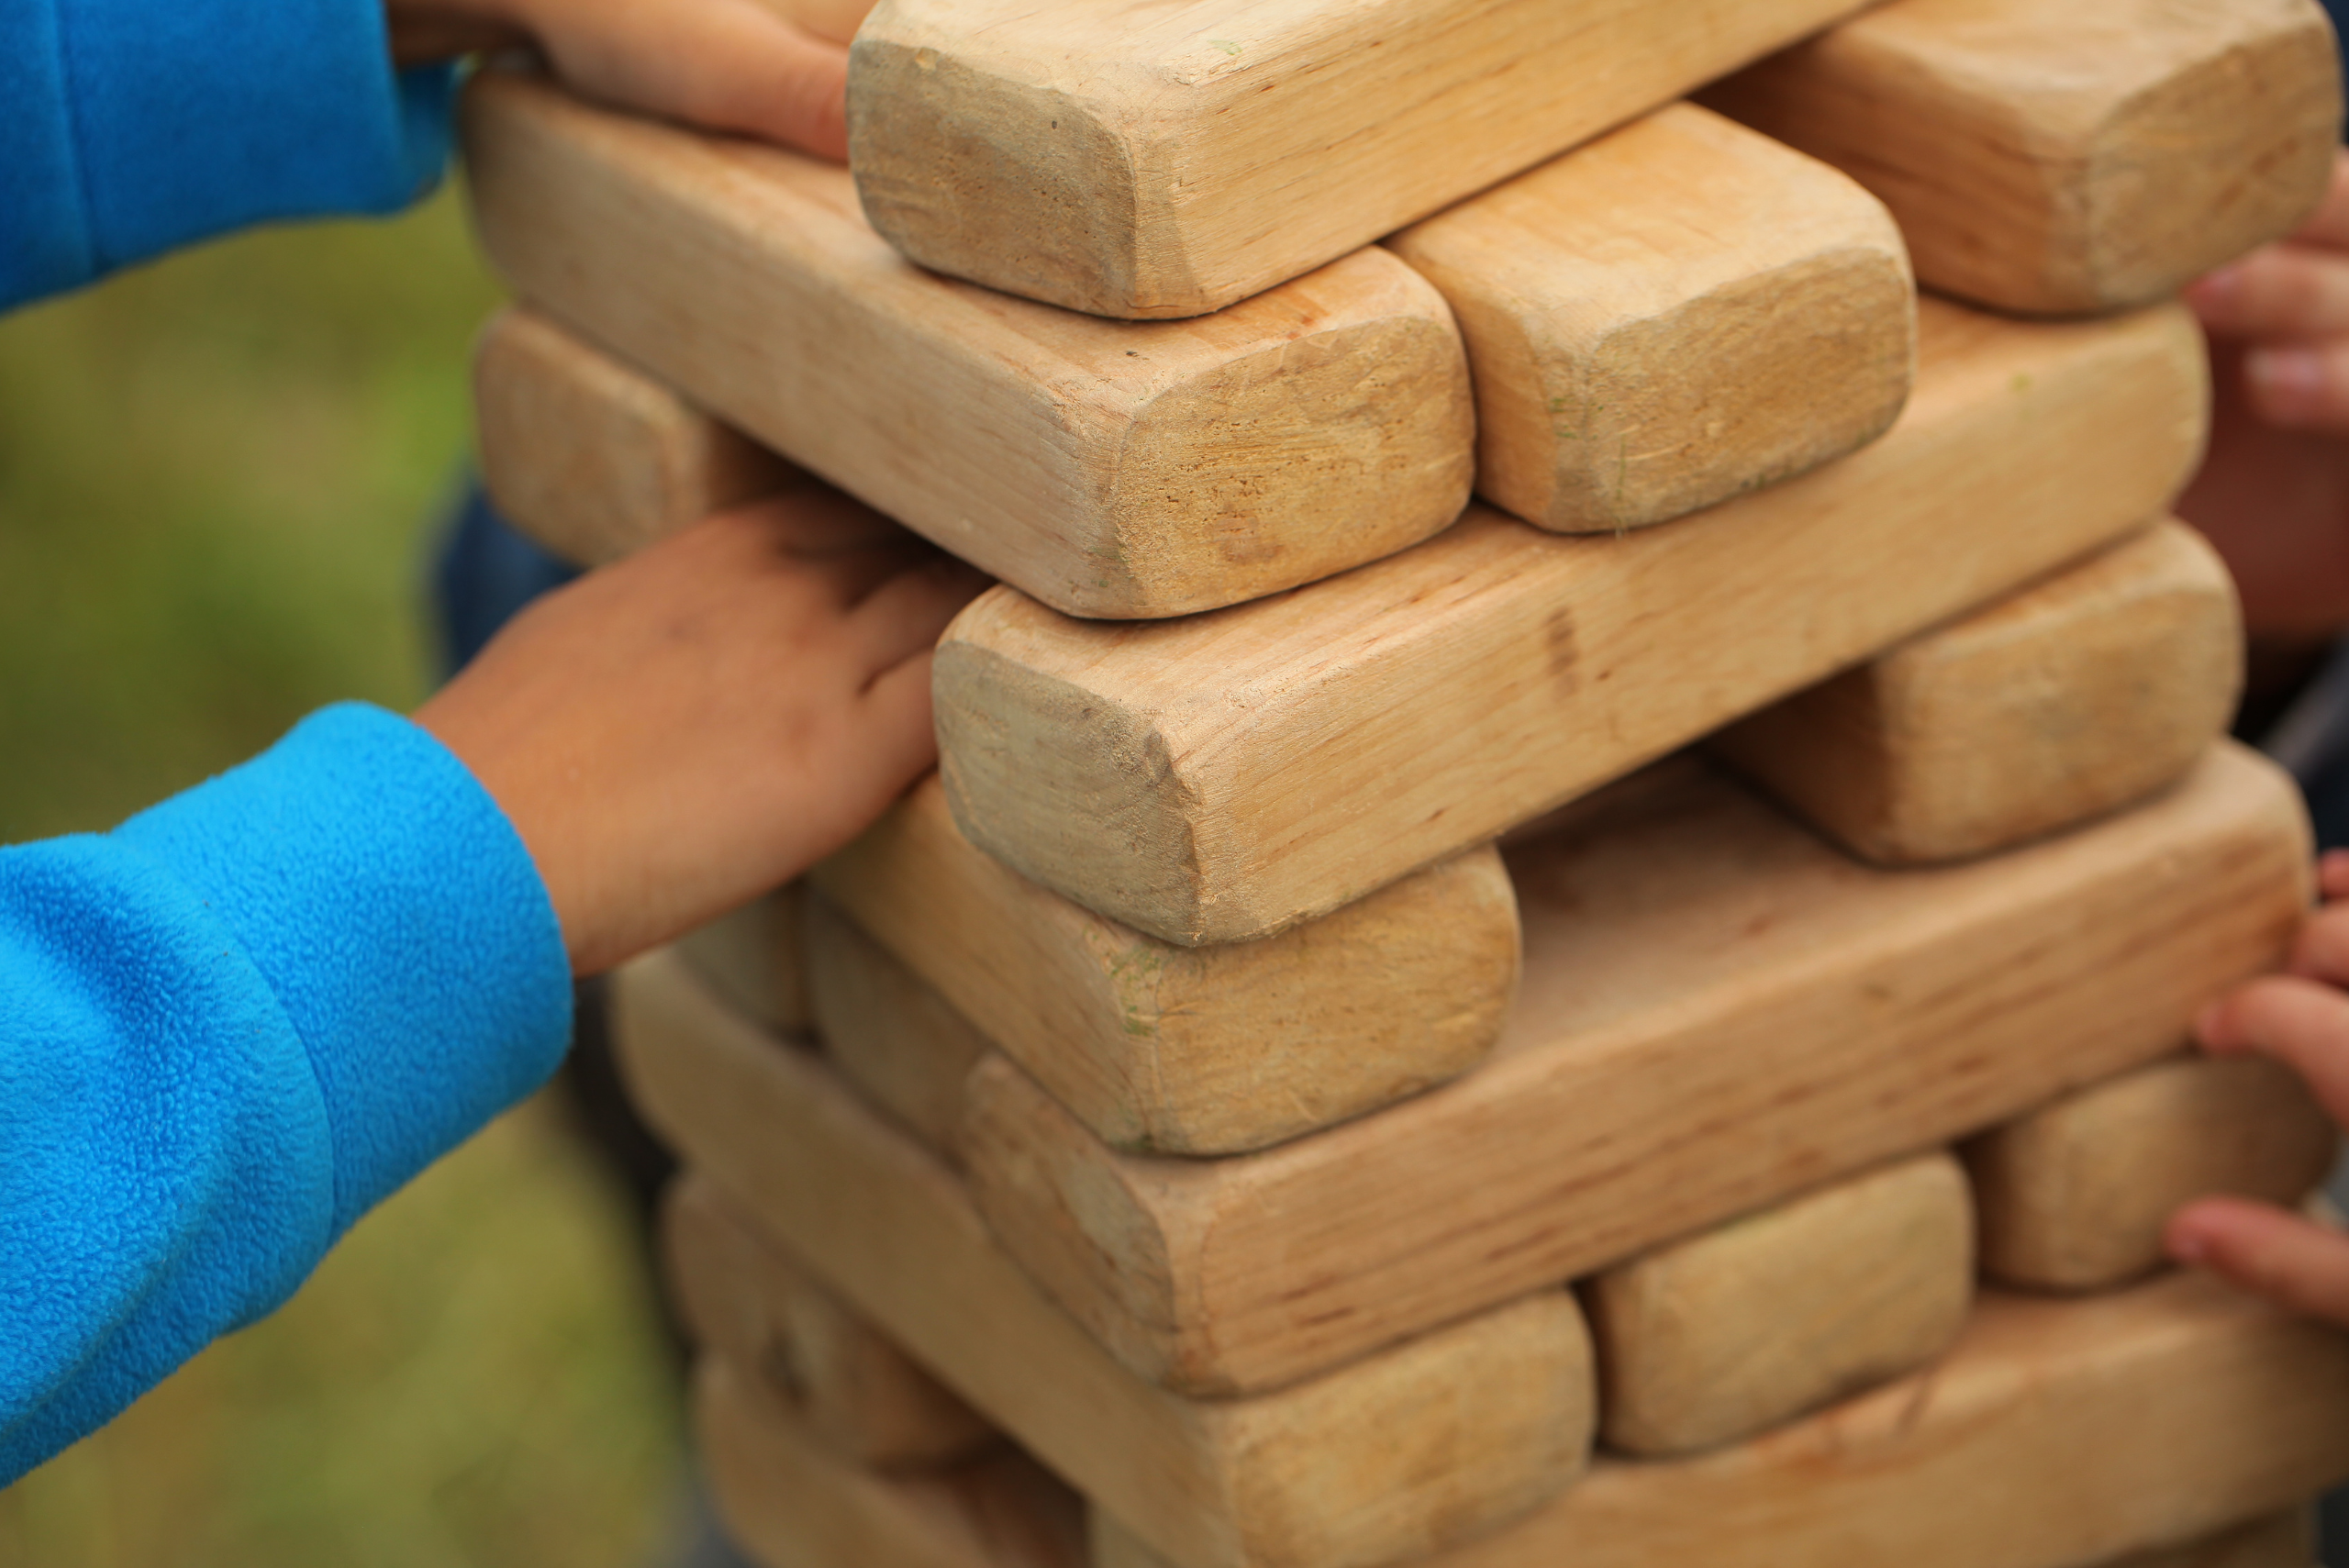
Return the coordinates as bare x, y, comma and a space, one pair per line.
2059, 158
1136, 160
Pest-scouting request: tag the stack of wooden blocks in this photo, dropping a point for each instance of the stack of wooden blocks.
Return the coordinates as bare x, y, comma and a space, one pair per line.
1638, 1020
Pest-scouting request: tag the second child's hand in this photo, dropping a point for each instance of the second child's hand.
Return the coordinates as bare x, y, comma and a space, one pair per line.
777, 72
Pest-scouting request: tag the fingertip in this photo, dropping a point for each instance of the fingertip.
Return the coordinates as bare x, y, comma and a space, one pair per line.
2333, 873
2211, 1029
2214, 295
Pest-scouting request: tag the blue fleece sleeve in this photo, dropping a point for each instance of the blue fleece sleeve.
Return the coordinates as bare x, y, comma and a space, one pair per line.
130, 126
231, 1026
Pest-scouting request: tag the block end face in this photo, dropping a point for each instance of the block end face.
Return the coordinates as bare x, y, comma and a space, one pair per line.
1347, 435
985, 172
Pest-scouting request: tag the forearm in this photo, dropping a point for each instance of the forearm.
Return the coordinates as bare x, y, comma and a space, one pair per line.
231, 1026
129, 127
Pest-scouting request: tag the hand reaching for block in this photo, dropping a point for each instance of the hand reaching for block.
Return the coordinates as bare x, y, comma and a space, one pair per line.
772, 69
2300, 1018
677, 733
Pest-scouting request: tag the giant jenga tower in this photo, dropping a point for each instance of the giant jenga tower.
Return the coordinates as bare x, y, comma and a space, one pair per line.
1637, 1020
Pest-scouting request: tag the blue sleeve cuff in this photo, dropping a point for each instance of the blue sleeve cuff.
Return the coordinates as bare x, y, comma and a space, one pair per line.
129, 127
388, 903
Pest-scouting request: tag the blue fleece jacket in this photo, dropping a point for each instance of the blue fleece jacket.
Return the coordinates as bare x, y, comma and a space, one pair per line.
235, 1023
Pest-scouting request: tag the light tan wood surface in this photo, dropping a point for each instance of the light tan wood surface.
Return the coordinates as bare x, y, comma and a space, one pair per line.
592, 457
2072, 698
753, 957
1217, 778
1194, 1051
1391, 1457
1676, 313
791, 1505
2066, 158
1107, 468
896, 1040
2073, 1194
848, 1385
1741, 1328
2055, 1434
2279, 1541
1719, 1010
1138, 161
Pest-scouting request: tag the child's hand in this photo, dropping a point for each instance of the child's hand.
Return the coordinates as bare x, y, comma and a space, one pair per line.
773, 69
2289, 302
677, 733
2302, 1020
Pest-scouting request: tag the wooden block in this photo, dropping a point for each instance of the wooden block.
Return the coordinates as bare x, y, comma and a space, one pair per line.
1135, 161
2073, 1194
2054, 1434
751, 957
1719, 1010
2076, 697
593, 459
1194, 1051
1109, 469
1395, 1455
1218, 778
791, 1505
848, 1385
1741, 1328
2279, 1541
2066, 158
1679, 312
890, 1035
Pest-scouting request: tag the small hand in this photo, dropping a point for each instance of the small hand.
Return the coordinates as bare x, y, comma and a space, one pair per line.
772, 69
2300, 1018
2289, 302
677, 733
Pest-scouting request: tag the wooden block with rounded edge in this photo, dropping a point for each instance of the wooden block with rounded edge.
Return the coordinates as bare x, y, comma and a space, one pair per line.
900, 1043
791, 1505
1392, 1456
2279, 1541
2077, 696
1719, 1010
849, 1385
753, 957
1137, 161
1713, 1338
1109, 468
2056, 1433
593, 459
1679, 312
1221, 777
2079, 156
2073, 1194
1193, 1050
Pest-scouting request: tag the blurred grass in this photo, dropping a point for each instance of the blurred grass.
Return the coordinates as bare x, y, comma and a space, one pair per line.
217, 477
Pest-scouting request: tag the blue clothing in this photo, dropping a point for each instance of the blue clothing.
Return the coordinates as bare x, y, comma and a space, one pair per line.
130, 126
235, 1023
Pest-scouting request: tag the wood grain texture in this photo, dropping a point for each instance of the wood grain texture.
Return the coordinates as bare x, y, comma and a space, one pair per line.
2073, 1194
593, 459
891, 1035
1194, 1051
1741, 1328
2080, 157
791, 1505
1141, 160
2055, 1434
1389, 1457
1109, 469
2071, 698
1676, 313
753, 958
1719, 1010
848, 1388
2279, 1541
1221, 777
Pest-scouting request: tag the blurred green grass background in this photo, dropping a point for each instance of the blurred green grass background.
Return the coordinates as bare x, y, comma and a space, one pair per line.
217, 481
